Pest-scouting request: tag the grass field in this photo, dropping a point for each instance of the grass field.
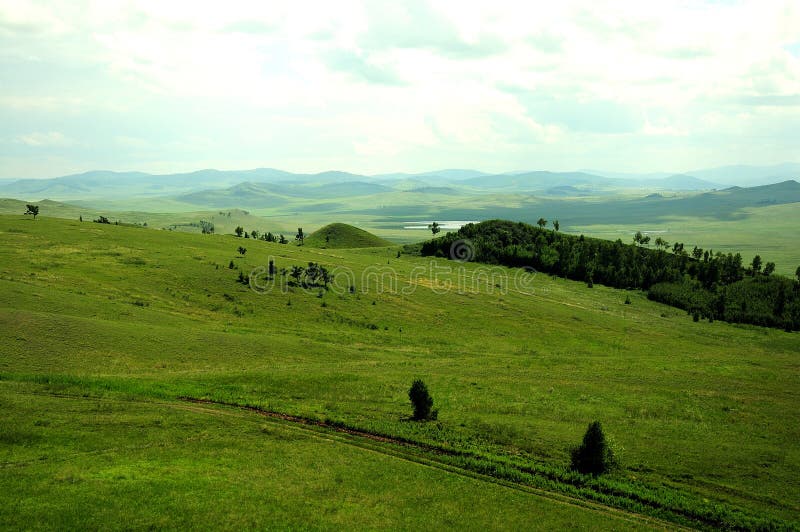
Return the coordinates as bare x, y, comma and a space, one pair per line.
700, 411
78, 463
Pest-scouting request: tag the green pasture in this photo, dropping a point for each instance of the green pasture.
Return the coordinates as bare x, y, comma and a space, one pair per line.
517, 365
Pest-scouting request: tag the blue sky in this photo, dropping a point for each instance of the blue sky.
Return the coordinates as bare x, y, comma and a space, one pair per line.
376, 87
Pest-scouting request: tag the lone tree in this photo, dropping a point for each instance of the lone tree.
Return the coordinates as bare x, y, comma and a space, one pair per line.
593, 456
434, 227
556, 225
33, 210
300, 236
239, 230
769, 268
242, 250
422, 401
541, 222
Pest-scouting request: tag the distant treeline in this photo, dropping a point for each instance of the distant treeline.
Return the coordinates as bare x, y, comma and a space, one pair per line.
706, 284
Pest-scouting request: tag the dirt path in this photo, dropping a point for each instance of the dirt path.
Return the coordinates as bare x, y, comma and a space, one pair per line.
395, 448
402, 449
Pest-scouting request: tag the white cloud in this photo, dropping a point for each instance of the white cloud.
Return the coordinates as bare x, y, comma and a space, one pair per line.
378, 86
45, 139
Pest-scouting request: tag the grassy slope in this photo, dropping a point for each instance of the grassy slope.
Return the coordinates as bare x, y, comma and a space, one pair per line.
344, 236
705, 407
111, 461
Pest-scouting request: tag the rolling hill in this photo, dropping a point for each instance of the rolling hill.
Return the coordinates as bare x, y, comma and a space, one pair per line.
339, 235
136, 366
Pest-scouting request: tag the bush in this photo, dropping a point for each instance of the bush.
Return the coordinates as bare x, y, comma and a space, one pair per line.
422, 401
593, 456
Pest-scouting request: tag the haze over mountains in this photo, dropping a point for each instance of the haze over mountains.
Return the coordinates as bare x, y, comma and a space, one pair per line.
224, 186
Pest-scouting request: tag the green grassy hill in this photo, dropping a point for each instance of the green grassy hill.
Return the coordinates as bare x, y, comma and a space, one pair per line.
339, 235
104, 327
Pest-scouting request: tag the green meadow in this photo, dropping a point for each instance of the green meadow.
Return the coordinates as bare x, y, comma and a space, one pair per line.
104, 328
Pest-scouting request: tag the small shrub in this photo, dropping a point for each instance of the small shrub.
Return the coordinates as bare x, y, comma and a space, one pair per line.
593, 456
627, 300
422, 401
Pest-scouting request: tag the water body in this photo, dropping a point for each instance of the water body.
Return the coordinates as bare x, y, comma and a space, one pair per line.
446, 225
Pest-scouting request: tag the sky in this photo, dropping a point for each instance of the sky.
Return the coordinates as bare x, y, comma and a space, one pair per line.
386, 86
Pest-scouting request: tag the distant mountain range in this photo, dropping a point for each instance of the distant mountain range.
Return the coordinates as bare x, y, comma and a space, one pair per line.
269, 186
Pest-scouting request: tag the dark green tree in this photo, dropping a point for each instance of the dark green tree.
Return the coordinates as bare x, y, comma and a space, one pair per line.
421, 400
769, 268
242, 250
434, 227
593, 456
797, 274
254, 234
283, 240
556, 225
300, 237
297, 273
231, 265
239, 230
641, 239
325, 276
312, 273
755, 266
541, 222
33, 210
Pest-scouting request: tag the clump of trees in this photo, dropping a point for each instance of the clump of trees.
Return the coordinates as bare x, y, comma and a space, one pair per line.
593, 456
715, 285
421, 401
313, 276
101, 220
207, 228
32, 210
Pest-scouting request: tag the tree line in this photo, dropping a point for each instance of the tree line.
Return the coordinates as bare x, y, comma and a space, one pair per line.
706, 284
